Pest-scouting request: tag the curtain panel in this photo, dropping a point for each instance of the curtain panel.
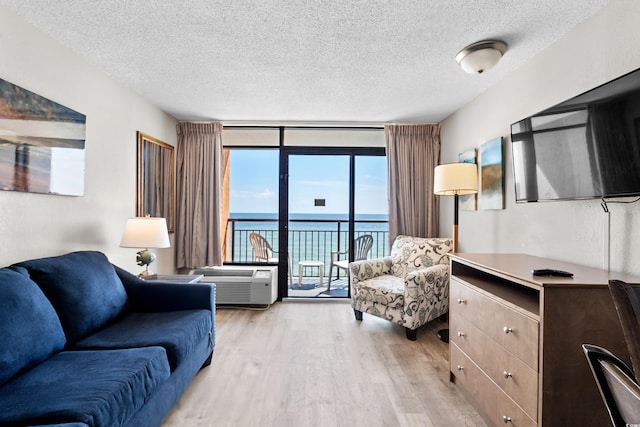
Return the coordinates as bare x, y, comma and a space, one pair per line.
199, 195
413, 151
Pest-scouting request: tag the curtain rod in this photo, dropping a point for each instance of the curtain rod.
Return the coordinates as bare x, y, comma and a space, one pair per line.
308, 124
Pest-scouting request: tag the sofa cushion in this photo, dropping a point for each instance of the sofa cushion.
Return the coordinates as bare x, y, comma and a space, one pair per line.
30, 330
98, 388
83, 288
179, 332
412, 253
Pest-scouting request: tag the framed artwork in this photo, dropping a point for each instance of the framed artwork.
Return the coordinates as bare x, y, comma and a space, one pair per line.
156, 180
468, 202
492, 175
41, 144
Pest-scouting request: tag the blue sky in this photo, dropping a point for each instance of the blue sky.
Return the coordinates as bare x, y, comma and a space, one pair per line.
254, 183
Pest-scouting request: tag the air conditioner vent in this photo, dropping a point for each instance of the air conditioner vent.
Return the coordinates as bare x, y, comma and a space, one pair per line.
242, 284
222, 271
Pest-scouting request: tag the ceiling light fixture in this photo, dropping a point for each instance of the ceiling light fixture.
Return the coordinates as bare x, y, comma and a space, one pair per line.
480, 56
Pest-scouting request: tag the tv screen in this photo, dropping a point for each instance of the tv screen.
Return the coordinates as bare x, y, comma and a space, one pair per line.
586, 147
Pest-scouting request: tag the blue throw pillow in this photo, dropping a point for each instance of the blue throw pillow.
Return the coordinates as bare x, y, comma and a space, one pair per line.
30, 330
83, 288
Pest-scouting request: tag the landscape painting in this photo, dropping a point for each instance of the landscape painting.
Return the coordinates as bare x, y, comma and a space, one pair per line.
468, 202
41, 144
492, 175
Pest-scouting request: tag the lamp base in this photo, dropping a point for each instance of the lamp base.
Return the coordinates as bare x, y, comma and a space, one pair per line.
443, 335
145, 276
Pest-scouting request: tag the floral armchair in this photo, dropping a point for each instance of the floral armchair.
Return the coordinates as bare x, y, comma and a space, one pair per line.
410, 287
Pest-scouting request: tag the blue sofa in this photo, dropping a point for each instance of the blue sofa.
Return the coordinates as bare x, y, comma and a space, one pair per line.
85, 343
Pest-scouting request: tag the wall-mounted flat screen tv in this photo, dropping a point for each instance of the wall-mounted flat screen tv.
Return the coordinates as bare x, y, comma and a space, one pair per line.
586, 147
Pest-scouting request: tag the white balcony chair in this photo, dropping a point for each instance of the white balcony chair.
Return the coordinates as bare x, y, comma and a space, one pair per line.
409, 288
264, 252
361, 247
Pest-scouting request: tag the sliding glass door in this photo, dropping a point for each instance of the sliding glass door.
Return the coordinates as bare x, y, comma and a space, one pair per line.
336, 202
318, 221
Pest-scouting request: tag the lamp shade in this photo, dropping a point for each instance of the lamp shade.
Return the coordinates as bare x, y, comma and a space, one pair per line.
455, 179
145, 232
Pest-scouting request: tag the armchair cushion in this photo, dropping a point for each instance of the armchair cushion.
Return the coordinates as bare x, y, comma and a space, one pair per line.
386, 289
412, 253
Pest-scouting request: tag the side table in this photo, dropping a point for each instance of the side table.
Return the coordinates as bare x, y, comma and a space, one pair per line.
176, 278
317, 264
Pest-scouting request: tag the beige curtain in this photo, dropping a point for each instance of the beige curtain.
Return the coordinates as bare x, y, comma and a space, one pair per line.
224, 219
199, 195
413, 151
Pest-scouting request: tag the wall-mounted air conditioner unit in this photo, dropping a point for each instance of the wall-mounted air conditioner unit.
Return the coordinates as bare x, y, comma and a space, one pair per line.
242, 284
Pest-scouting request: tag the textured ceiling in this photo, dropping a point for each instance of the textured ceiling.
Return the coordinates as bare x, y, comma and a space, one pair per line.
361, 61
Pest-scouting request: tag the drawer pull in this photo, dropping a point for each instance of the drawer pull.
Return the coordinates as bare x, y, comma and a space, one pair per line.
462, 301
507, 375
460, 368
461, 334
507, 330
506, 419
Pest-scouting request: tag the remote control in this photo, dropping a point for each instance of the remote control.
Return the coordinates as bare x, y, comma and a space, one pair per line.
551, 272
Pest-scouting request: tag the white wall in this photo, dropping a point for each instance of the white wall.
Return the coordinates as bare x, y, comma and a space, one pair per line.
600, 49
35, 225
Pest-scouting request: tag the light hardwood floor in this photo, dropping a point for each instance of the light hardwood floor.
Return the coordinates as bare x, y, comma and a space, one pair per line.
313, 364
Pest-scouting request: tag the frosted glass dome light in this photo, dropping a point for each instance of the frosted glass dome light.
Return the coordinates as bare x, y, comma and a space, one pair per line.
481, 56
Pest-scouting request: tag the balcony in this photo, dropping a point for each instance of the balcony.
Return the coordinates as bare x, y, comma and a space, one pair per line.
309, 240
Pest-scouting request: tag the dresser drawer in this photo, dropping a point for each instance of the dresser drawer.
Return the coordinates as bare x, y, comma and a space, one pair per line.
470, 378
512, 375
517, 333
510, 414
513, 330
489, 399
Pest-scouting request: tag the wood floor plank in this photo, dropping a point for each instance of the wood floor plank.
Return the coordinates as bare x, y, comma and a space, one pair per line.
312, 364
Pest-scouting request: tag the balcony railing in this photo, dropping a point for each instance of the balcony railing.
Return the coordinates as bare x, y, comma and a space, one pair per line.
309, 239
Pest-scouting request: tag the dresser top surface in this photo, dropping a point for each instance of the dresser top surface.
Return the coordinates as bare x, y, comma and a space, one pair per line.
520, 267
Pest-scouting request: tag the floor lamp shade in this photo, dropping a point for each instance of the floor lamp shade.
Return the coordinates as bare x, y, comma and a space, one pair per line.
455, 179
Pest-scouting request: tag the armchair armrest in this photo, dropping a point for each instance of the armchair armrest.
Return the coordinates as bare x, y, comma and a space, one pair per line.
368, 269
426, 293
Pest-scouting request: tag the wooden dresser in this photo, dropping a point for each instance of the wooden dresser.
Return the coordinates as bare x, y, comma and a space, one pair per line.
516, 338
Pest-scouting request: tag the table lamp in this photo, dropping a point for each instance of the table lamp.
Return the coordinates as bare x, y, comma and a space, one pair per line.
454, 179
145, 232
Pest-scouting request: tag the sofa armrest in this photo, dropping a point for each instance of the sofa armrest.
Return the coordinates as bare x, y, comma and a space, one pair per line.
427, 291
159, 296
368, 269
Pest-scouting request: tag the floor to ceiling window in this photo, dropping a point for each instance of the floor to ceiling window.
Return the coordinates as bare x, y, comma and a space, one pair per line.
312, 195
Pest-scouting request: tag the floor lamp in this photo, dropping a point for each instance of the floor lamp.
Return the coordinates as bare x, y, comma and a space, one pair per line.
454, 179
